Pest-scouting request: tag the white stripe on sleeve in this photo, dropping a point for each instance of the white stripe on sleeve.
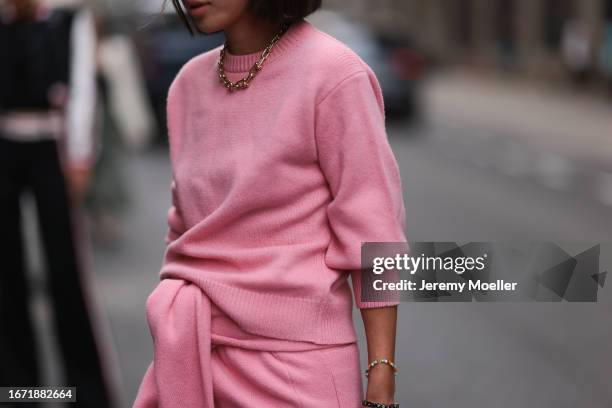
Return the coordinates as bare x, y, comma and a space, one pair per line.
81, 105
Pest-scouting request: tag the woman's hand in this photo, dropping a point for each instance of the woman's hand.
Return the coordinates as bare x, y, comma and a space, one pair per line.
381, 384
78, 178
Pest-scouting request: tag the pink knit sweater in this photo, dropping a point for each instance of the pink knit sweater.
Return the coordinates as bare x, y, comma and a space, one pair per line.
276, 186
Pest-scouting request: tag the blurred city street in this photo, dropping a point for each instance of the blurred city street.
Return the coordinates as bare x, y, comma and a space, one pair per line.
500, 135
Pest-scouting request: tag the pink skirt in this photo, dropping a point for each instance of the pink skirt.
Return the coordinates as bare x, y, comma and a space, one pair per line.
202, 359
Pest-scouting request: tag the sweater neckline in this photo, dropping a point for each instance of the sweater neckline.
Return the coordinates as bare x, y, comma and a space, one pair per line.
244, 62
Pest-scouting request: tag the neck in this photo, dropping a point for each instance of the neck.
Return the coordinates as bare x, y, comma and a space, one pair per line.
249, 35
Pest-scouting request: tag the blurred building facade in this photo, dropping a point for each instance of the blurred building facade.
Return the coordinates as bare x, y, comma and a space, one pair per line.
524, 36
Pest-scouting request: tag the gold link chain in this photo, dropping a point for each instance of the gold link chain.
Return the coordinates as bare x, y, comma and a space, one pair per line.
244, 82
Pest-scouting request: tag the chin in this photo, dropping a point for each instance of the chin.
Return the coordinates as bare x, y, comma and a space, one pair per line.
208, 25
208, 28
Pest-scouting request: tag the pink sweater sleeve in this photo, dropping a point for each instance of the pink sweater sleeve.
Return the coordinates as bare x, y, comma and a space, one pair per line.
176, 226
362, 173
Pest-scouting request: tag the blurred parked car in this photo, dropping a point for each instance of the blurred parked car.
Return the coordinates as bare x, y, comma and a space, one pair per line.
397, 65
164, 46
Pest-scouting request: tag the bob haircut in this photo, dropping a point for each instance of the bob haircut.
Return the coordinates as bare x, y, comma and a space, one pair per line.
275, 11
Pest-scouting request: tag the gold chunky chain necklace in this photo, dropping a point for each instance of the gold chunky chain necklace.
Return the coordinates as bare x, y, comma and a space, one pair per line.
244, 82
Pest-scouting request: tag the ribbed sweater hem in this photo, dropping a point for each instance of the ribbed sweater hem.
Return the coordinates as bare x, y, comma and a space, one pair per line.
278, 316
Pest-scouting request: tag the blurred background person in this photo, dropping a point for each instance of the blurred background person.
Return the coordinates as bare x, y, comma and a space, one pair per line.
577, 48
125, 125
107, 194
47, 105
605, 52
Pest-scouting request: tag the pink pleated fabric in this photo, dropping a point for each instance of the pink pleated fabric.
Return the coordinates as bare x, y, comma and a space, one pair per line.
202, 359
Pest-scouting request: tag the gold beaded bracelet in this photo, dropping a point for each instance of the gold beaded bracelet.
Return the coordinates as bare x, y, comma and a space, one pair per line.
366, 403
381, 361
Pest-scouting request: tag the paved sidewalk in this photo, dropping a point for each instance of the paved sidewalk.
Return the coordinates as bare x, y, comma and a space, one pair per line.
575, 125
561, 139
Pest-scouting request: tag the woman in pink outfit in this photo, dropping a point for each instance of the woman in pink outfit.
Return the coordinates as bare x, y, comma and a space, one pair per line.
281, 169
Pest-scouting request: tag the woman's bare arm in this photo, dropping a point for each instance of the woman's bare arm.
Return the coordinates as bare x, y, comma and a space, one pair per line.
380, 327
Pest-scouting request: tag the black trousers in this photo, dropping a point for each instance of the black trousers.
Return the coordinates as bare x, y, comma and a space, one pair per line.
36, 166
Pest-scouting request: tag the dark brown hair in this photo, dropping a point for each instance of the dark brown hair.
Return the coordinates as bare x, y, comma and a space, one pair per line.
275, 11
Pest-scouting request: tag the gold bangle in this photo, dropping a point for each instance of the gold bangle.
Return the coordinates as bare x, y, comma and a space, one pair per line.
381, 361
